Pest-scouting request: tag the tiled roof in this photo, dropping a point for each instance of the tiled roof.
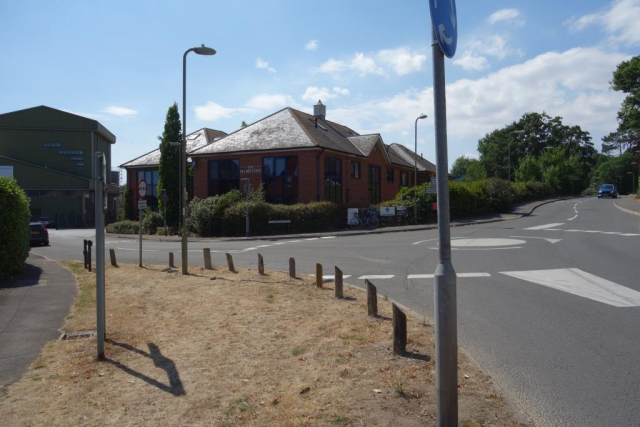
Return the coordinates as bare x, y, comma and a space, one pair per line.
196, 140
399, 151
326, 134
365, 143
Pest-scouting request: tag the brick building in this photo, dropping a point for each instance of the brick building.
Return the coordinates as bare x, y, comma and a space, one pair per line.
298, 158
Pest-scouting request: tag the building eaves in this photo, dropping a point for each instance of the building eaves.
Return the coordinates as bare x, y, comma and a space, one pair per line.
409, 157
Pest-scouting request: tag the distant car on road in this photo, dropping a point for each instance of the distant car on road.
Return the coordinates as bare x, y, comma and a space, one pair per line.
607, 190
39, 234
46, 221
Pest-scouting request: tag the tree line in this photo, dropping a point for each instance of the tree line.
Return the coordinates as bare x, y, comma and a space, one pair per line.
541, 148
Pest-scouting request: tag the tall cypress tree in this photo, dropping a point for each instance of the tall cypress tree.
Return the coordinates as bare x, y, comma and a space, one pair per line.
168, 175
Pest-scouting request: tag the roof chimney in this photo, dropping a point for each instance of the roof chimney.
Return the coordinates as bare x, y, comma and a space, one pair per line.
320, 110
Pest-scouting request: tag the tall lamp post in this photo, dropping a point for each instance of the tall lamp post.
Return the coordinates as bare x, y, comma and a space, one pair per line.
202, 50
517, 132
415, 170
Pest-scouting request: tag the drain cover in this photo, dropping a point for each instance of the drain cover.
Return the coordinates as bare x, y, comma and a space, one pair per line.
76, 335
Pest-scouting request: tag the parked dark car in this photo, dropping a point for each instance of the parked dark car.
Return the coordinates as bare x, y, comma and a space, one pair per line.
39, 234
46, 221
607, 190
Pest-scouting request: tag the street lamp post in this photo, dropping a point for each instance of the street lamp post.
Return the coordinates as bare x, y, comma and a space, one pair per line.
202, 50
517, 132
415, 171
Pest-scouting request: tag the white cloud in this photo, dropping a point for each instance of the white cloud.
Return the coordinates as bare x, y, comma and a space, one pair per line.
361, 63
341, 90
402, 61
471, 62
620, 21
571, 84
495, 46
311, 45
212, 111
317, 93
120, 111
266, 102
475, 156
333, 66
365, 65
264, 64
506, 15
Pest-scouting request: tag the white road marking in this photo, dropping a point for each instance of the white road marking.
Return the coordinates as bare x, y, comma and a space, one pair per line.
542, 227
630, 234
476, 243
263, 246
279, 243
331, 276
293, 241
473, 274
581, 283
431, 240
420, 276
377, 277
329, 237
462, 275
542, 238
572, 218
137, 249
483, 249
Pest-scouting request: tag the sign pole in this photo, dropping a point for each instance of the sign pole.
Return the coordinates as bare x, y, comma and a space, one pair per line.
140, 231
99, 219
142, 205
445, 276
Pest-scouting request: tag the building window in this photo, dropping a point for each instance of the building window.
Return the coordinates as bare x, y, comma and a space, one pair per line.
374, 185
151, 178
224, 176
404, 179
333, 179
280, 179
390, 175
355, 170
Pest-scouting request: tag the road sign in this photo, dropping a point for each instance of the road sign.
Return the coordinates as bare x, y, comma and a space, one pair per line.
142, 188
445, 25
142, 205
388, 211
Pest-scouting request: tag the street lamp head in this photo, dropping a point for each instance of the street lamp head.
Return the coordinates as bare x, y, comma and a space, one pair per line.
203, 50
422, 116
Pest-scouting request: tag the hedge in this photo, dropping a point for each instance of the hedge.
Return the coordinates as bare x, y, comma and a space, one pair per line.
14, 227
305, 218
124, 227
205, 216
468, 199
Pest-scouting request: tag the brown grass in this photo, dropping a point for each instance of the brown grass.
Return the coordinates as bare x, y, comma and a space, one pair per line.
224, 349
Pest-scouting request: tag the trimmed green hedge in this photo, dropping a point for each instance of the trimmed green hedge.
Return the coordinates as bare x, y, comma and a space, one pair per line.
468, 199
124, 227
305, 218
204, 217
14, 227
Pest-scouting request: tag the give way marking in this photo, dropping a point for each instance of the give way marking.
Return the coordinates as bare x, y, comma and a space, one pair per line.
581, 283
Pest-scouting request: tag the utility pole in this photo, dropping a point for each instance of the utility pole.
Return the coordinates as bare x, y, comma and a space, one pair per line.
100, 180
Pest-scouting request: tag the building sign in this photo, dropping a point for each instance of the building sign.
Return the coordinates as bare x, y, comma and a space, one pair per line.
77, 158
251, 169
6, 171
352, 213
80, 164
387, 211
70, 151
401, 211
52, 145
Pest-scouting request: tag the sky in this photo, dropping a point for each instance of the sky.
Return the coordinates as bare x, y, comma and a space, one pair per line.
120, 62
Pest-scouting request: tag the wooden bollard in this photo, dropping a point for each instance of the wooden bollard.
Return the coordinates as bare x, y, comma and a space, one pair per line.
230, 263
399, 331
338, 281
112, 256
207, 258
318, 275
89, 244
260, 265
372, 299
171, 264
84, 253
292, 268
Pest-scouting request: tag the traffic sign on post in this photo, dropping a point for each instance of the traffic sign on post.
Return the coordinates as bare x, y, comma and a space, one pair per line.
445, 24
142, 188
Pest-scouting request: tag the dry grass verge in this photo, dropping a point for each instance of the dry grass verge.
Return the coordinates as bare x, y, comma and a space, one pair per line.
224, 349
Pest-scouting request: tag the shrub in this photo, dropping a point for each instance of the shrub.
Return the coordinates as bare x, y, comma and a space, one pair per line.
151, 221
205, 216
14, 227
124, 227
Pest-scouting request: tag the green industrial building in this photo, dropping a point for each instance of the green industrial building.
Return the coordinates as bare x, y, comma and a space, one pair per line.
51, 155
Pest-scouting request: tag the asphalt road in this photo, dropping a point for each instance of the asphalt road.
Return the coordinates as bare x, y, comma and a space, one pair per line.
549, 304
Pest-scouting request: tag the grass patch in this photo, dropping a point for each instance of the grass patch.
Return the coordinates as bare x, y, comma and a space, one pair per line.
297, 351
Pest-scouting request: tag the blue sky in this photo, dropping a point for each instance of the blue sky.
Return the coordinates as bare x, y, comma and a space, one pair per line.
369, 61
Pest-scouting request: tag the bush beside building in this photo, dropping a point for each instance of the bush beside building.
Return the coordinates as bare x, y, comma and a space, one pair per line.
14, 227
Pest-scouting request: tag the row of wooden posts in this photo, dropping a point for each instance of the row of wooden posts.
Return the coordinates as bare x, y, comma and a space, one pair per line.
399, 318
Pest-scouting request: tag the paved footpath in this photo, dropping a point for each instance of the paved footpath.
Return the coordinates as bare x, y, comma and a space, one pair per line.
33, 307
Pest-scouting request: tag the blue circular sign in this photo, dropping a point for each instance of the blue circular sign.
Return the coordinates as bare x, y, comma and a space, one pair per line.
445, 25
